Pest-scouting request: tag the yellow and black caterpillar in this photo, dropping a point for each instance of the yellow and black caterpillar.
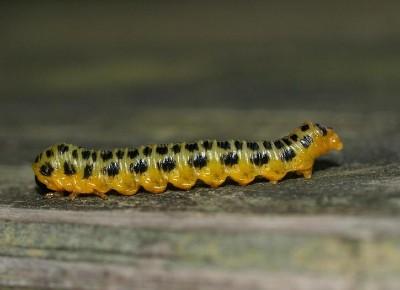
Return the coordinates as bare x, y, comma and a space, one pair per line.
78, 170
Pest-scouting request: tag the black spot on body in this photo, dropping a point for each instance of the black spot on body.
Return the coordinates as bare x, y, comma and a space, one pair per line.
87, 172
286, 141
306, 141
252, 146
147, 151
167, 164
139, 167
120, 154
75, 154
176, 148
69, 169
85, 154
62, 148
198, 161
112, 169
133, 153
94, 156
46, 169
267, 145
278, 144
106, 155
37, 159
305, 127
259, 158
322, 128
162, 149
288, 154
238, 145
207, 144
230, 158
224, 145
191, 147
49, 153
294, 137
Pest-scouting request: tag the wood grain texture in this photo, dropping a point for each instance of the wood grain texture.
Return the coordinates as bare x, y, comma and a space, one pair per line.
104, 75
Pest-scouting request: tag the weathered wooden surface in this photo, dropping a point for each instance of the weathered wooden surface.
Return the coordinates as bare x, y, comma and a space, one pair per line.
118, 78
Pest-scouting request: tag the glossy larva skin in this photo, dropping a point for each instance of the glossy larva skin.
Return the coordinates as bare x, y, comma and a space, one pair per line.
65, 167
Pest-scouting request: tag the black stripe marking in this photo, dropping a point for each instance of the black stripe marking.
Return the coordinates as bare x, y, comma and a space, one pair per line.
230, 158
176, 148
62, 148
306, 141
287, 141
259, 158
294, 137
191, 147
69, 169
46, 169
75, 154
238, 145
147, 150
94, 156
288, 154
87, 172
267, 145
49, 153
278, 144
112, 169
106, 155
133, 153
139, 167
252, 146
167, 164
162, 149
85, 154
198, 161
305, 127
207, 144
224, 145
120, 154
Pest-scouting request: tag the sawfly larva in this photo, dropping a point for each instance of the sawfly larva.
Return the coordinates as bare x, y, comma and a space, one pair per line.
80, 171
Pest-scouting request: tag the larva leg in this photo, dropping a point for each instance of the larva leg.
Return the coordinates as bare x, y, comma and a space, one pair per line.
73, 195
153, 181
273, 176
214, 175
183, 178
53, 194
307, 173
242, 173
124, 184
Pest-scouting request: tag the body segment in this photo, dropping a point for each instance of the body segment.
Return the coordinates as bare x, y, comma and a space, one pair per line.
77, 170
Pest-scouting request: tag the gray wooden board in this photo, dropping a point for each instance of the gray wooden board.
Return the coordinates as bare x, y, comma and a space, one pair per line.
108, 76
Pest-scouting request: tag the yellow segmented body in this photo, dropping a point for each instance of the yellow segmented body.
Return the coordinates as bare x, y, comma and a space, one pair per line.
65, 167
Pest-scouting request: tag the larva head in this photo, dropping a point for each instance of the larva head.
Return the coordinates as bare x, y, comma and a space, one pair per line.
324, 139
334, 141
